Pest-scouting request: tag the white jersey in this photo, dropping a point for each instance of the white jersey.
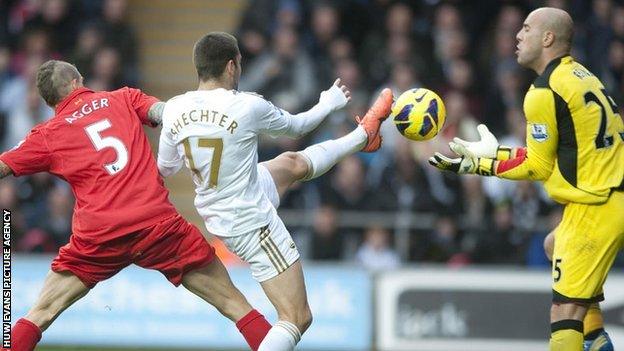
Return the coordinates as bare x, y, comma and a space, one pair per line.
215, 133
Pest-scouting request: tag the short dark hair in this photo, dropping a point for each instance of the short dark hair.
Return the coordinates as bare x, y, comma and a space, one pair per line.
54, 80
212, 53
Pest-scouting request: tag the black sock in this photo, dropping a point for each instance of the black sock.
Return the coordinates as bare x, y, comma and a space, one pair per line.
593, 334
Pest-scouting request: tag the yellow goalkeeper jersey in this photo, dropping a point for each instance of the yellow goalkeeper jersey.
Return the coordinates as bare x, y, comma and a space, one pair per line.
575, 136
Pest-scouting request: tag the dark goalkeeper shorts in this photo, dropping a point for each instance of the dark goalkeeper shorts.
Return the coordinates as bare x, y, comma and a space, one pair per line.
173, 247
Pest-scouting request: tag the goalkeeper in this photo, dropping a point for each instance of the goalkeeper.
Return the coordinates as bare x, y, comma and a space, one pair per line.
575, 145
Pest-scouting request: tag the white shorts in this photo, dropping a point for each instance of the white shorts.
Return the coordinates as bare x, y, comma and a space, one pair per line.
269, 250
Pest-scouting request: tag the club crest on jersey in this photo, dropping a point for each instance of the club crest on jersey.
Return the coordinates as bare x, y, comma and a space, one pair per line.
539, 132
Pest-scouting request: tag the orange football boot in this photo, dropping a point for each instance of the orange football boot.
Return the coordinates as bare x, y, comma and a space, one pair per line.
373, 118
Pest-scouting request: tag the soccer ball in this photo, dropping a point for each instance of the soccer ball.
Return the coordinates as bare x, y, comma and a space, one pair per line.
419, 114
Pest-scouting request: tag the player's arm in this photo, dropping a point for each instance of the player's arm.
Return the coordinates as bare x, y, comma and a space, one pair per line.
276, 121
155, 113
535, 162
147, 107
170, 161
5, 170
30, 156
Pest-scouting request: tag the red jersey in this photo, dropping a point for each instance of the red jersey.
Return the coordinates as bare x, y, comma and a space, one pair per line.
97, 144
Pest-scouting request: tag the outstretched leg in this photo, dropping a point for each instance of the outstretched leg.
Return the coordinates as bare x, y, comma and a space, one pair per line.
317, 159
292, 304
60, 290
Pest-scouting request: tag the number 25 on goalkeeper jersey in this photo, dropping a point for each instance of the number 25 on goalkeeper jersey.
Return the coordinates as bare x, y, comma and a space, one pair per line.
575, 136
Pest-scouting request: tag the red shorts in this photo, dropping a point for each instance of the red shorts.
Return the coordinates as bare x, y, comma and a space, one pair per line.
173, 247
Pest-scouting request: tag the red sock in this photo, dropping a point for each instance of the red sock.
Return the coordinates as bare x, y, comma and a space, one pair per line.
254, 328
25, 335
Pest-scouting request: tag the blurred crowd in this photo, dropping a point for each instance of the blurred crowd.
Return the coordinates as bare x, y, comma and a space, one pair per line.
293, 49
465, 51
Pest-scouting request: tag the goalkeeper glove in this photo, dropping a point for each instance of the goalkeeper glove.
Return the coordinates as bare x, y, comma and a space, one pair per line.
468, 163
487, 147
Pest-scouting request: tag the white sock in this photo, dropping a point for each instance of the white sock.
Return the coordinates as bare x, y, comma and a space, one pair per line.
284, 336
323, 156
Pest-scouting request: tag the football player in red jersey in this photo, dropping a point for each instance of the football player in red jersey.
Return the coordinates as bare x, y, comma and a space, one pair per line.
122, 214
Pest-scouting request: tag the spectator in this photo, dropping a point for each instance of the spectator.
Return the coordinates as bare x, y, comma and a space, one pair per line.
450, 40
526, 207
253, 43
34, 45
613, 73
338, 50
494, 245
33, 195
258, 14
599, 34
284, 75
348, 70
347, 189
5, 77
5, 62
327, 242
90, 40
403, 185
396, 42
59, 21
324, 25
476, 204
376, 253
120, 35
37, 241
106, 70
288, 13
505, 93
341, 49
501, 46
443, 244
617, 22
21, 104
461, 79
58, 219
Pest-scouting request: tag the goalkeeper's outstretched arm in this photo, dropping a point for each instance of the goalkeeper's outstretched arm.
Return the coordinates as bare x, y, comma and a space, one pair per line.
488, 146
486, 157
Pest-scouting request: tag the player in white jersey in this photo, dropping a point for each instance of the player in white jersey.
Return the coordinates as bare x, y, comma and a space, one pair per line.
215, 130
